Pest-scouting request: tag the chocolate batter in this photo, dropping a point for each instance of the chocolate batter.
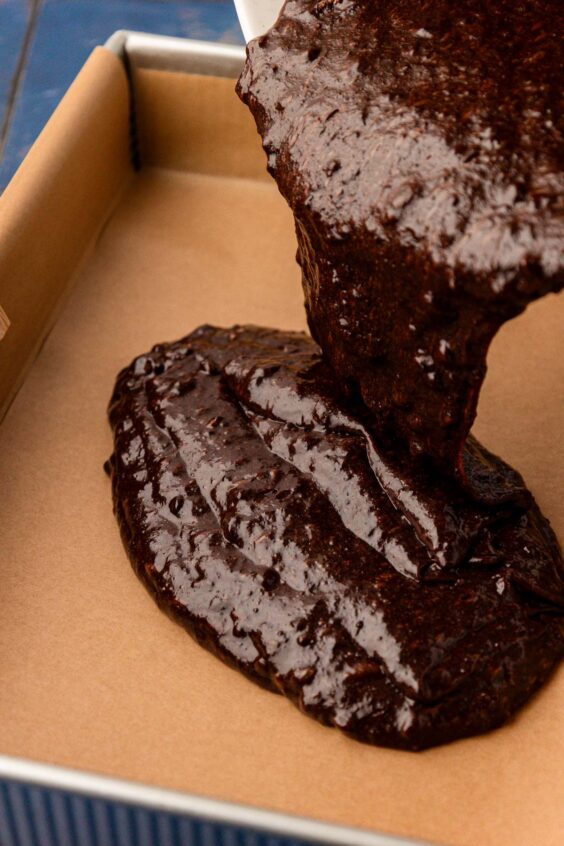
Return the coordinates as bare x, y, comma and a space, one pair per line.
258, 508
320, 518
419, 147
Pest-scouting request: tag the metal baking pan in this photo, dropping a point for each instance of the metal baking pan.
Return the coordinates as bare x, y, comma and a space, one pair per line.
44, 805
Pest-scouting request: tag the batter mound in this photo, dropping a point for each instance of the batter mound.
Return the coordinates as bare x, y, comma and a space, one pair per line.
320, 516
259, 510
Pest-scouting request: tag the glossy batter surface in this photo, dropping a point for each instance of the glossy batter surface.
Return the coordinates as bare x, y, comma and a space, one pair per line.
319, 516
419, 145
259, 510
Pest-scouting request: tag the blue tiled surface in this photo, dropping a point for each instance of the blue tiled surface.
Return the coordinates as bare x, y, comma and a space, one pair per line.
61, 35
14, 18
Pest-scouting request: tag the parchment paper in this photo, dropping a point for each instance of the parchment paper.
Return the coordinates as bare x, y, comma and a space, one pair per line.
92, 674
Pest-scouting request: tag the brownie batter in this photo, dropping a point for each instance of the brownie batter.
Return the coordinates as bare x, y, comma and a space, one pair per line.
259, 510
419, 145
319, 516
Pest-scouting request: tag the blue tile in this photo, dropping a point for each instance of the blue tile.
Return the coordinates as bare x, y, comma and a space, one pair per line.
68, 30
14, 16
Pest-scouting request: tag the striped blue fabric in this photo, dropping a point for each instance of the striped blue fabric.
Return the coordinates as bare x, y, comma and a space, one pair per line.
38, 816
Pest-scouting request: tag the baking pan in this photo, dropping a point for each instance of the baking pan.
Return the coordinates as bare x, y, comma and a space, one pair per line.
142, 211
42, 804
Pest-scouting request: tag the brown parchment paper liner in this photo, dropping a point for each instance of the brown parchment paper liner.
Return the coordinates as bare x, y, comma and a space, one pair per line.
92, 674
4, 323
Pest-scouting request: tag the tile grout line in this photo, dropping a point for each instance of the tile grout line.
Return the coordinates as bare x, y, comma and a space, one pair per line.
19, 73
